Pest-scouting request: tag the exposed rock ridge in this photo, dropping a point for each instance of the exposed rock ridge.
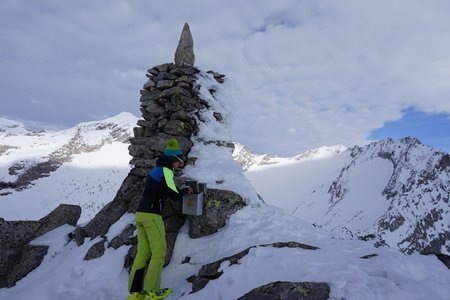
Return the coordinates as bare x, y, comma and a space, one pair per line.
211, 271
17, 256
418, 194
29, 171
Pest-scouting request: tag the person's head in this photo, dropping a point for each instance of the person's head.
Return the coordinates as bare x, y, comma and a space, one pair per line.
177, 163
173, 151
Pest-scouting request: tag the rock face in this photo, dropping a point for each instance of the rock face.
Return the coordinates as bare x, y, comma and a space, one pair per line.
73, 141
184, 55
418, 215
17, 257
211, 271
218, 206
403, 186
289, 291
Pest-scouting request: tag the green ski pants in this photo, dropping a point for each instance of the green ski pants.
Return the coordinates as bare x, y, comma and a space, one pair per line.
151, 246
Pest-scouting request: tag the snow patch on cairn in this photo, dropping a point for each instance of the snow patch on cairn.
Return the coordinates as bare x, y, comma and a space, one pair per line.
213, 147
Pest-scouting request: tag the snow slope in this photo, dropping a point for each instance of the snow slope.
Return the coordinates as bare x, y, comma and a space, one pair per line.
394, 192
91, 159
390, 275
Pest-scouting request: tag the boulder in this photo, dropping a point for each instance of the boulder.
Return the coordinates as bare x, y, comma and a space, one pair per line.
218, 205
63, 214
289, 291
17, 257
30, 257
97, 250
14, 235
212, 270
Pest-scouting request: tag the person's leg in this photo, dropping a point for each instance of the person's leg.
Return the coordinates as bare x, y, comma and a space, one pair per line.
143, 254
156, 234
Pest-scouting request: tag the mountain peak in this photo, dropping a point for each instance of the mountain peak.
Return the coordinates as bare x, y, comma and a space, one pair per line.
12, 127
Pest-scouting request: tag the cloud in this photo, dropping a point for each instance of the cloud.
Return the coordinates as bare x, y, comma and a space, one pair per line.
307, 73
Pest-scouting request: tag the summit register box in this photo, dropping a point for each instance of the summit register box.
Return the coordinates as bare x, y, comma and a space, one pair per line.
193, 203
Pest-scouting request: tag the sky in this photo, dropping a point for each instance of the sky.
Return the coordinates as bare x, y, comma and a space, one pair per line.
305, 74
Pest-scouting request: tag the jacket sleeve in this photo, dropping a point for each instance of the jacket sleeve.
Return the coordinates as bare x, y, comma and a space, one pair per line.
172, 191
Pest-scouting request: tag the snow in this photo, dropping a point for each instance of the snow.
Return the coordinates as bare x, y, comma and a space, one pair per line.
390, 275
90, 180
364, 202
65, 275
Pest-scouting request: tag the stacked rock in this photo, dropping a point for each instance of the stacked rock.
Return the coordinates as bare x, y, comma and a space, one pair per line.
169, 103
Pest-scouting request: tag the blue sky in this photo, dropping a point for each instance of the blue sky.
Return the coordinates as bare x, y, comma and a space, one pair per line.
305, 73
430, 129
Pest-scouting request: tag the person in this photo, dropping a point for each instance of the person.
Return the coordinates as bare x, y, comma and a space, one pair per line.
150, 226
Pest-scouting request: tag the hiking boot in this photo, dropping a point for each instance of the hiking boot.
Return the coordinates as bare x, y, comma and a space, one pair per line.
136, 296
156, 295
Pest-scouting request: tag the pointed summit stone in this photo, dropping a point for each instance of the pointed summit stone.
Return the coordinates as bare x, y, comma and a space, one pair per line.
185, 50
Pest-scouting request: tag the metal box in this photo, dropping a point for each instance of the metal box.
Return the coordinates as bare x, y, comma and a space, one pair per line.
193, 204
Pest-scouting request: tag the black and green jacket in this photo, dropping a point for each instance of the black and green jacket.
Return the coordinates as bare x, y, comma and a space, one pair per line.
159, 186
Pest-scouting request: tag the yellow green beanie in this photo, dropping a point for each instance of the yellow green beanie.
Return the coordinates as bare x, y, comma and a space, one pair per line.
172, 148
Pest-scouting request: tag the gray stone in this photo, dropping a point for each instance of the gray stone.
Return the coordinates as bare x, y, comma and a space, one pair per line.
154, 108
138, 131
212, 271
165, 76
17, 258
63, 214
176, 91
29, 259
153, 71
165, 84
181, 102
289, 291
185, 70
14, 235
129, 258
126, 237
164, 67
177, 127
184, 55
150, 83
97, 250
153, 95
218, 206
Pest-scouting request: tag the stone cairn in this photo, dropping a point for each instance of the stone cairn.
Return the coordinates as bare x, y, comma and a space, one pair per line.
170, 106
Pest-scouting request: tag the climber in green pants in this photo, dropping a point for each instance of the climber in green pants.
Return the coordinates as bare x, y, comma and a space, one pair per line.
150, 226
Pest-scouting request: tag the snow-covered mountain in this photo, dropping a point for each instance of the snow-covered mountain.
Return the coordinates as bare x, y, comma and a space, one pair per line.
91, 160
247, 158
83, 165
394, 193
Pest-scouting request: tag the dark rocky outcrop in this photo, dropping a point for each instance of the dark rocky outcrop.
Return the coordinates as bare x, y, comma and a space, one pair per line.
97, 250
29, 258
211, 271
417, 195
289, 291
218, 206
17, 257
